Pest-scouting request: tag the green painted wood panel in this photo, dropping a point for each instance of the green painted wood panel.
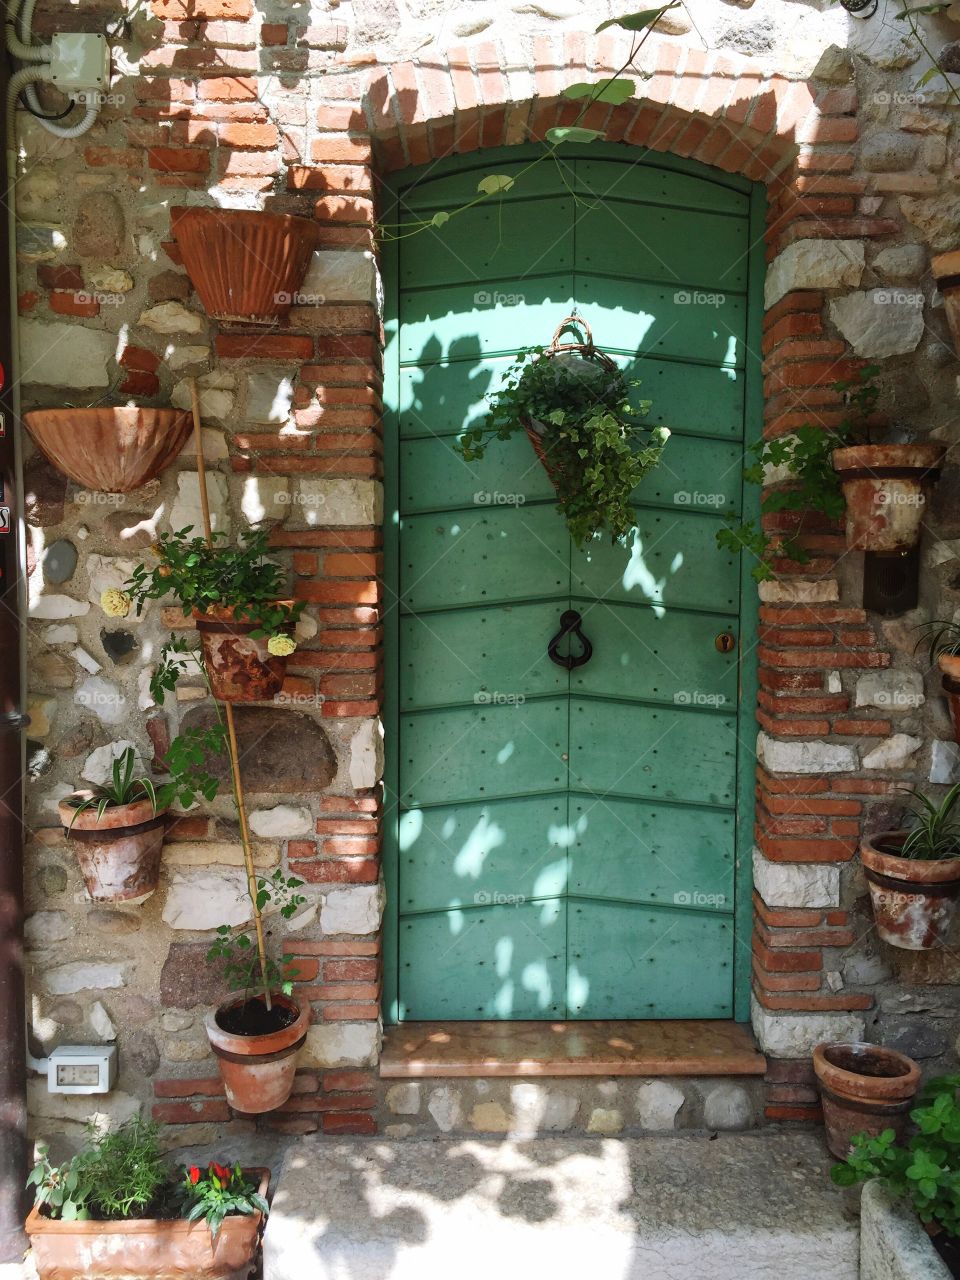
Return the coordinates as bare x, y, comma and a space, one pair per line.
473, 854
677, 754
652, 853
483, 752
505, 961
667, 656
627, 961
565, 844
482, 555
480, 656
666, 563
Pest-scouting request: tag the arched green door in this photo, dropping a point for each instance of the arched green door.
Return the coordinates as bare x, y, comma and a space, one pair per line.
565, 844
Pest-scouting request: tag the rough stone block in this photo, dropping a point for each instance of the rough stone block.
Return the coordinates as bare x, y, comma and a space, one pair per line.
789, 884
814, 264
65, 355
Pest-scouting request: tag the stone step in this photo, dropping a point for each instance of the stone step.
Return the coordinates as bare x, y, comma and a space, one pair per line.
745, 1206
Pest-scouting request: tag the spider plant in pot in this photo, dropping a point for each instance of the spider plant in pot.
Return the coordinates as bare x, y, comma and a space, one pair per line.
571, 401
234, 595
823, 474
117, 828
257, 1033
914, 874
941, 638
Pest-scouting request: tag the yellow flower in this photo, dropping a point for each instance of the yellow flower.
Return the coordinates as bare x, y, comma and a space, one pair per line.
115, 603
280, 646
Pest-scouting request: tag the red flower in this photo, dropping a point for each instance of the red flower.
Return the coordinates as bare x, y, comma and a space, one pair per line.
222, 1173
194, 1174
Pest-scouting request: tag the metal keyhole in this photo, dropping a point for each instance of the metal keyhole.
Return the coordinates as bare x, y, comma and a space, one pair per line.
725, 642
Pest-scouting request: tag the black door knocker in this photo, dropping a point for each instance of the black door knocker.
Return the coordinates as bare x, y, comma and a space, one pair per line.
570, 625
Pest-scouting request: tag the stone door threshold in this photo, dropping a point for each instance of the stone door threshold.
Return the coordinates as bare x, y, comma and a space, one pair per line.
689, 1047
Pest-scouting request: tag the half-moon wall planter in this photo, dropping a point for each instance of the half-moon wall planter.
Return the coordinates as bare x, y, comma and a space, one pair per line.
113, 450
245, 265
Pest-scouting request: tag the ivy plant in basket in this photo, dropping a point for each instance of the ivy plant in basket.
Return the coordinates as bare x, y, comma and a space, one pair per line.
572, 402
234, 595
914, 873
119, 1208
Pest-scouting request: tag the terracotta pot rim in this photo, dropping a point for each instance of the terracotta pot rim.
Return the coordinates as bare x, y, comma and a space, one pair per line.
132, 412
949, 664
135, 814
854, 1085
253, 217
918, 457
38, 1224
914, 870
262, 1045
217, 614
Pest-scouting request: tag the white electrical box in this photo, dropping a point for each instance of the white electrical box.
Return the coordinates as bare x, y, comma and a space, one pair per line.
79, 61
82, 1068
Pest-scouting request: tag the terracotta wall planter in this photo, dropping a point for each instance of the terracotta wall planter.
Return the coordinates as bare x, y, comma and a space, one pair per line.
245, 265
865, 1089
946, 272
258, 1070
239, 665
109, 450
148, 1248
886, 488
914, 900
119, 853
949, 664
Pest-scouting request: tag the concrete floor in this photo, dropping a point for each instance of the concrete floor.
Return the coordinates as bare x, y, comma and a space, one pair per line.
745, 1206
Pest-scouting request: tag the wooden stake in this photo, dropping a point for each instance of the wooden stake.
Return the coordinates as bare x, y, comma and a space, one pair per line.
228, 708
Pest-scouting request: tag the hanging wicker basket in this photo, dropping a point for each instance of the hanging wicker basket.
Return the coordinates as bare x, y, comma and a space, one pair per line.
587, 351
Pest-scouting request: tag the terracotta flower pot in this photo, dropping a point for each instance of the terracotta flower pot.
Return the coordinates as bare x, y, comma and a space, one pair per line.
149, 1248
949, 664
886, 487
865, 1089
913, 899
239, 665
109, 450
119, 853
245, 265
946, 271
258, 1070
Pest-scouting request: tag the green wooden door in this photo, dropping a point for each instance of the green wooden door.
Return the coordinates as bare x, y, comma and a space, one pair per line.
565, 844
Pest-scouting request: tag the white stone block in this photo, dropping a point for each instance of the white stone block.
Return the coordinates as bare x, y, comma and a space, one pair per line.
269, 396
880, 322
186, 509
207, 899
355, 910
366, 755
794, 1035
341, 1044
336, 502
792, 884
57, 606
282, 821
657, 1104
82, 975
894, 752
823, 591
265, 498
890, 690
804, 757
339, 275
814, 264
104, 698
64, 355
172, 318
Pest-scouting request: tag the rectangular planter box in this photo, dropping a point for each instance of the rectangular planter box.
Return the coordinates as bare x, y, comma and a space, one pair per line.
893, 1243
149, 1248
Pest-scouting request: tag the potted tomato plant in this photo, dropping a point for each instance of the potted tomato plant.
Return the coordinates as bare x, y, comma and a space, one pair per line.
234, 595
864, 1088
914, 874
257, 1033
119, 1209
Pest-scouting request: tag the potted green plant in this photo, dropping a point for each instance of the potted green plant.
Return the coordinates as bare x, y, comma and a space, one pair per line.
941, 638
119, 1209
914, 874
835, 471
234, 594
864, 1088
117, 828
946, 272
571, 401
923, 1170
257, 1033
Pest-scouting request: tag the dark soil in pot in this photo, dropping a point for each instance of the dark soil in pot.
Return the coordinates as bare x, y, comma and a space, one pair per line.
254, 1018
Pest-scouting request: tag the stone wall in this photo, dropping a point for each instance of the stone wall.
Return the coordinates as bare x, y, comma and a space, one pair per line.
247, 103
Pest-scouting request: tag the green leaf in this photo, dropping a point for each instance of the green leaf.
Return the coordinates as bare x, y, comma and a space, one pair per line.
638, 21
494, 183
440, 218
930, 74
614, 92
572, 133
